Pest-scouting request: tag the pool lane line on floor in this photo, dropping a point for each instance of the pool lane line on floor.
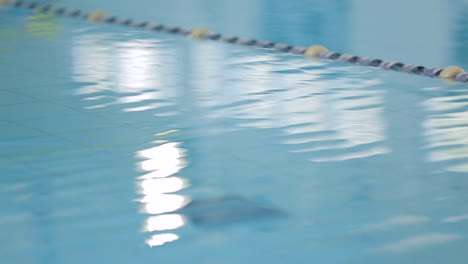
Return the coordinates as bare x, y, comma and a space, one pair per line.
315, 51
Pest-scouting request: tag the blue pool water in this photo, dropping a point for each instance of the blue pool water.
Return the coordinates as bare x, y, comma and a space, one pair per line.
120, 146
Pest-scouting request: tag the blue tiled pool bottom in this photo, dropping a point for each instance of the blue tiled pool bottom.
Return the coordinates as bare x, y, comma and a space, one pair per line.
122, 146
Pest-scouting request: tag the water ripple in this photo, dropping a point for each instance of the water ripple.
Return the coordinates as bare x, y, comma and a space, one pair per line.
446, 128
347, 107
325, 112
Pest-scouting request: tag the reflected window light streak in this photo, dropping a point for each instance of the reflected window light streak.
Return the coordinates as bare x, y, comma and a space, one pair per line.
162, 163
393, 222
309, 139
160, 141
447, 103
350, 107
147, 107
361, 126
445, 131
92, 63
164, 185
100, 63
144, 65
325, 147
163, 203
355, 155
306, 127
169, 149
166, 159
161, 239
164, 222
459, 168
455, 219
140, 108
92, 89
98, 97
161, 173
166, 132
449, 154
98, 106
137, 66
418, 242
153, 95
208, 66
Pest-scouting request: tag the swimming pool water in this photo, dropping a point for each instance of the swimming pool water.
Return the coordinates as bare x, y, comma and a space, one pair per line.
119, 145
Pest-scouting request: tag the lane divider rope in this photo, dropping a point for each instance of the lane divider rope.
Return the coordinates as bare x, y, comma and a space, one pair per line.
315, 51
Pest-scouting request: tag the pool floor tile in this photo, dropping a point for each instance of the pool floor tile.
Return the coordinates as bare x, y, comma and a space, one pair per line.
33, 110
127, 117
18, 149
109, 136
14, 171
67, 123
10, 130
8, 98
79, 161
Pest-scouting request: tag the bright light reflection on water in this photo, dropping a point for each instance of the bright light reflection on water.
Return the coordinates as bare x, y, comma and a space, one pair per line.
446, 128
166, 157
165, 185
343, 114
161, 239
163, 203
161, 162
164, 222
